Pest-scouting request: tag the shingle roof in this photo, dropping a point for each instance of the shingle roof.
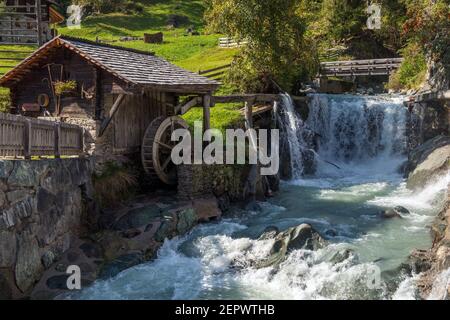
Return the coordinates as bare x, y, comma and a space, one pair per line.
132, 66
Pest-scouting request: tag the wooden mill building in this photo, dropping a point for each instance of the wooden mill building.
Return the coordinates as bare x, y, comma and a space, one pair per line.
127, 100
28, 21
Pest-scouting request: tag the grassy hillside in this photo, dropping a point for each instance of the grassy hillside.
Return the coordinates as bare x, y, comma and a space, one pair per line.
190, 52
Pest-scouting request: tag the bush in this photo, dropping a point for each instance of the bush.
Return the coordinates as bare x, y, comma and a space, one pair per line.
413, 70
114, 185
5, 101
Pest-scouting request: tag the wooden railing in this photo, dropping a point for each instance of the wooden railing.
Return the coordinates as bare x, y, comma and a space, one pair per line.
215, 73
29, 137
360, 67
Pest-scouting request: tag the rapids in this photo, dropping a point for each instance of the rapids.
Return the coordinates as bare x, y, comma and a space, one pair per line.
365, 137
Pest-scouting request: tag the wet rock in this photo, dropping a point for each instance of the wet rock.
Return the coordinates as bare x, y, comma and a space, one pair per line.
73, 256
269, 233
58, 282
165, 231
341, 256
397, 212
132, 233
137, 218
187, 219
207, 209
302, 237
61, 267
120, 264
428, 161
91, 250
48, 258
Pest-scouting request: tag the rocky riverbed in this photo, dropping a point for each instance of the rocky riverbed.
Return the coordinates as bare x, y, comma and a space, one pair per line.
426, 163
129, 235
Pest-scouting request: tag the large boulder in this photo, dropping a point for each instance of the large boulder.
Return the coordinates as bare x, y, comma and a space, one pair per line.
428, 161
302, 237
397, 212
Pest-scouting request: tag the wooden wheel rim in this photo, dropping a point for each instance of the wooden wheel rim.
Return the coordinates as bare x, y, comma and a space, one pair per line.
157, 138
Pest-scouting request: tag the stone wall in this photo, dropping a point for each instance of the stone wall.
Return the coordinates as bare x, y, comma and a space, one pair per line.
42, 203
229, 183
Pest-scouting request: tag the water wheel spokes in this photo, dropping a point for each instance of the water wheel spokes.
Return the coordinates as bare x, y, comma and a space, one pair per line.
157, 148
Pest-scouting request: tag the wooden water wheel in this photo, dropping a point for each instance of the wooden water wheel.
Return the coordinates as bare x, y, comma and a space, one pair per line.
157, 148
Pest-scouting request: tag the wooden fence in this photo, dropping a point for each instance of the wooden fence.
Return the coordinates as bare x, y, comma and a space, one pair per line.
230, 43
29, 137
215, 73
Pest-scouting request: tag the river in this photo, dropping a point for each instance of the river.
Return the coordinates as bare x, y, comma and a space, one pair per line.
364, 138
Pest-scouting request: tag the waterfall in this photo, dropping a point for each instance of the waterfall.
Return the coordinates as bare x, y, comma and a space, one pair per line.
344, 130
294, 133
357, 129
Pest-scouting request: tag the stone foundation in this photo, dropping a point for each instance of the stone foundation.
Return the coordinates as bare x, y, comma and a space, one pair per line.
42, 205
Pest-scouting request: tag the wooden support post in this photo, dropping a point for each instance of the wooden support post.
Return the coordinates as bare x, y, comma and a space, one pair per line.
39, 22
248, 114
83, 146
112, 112
27, 139
206, 112
57, 147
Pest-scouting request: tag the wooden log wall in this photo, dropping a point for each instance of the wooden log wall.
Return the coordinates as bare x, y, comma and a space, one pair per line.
135, 115
74, 68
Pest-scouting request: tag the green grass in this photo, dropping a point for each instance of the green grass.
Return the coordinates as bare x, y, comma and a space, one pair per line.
223, 116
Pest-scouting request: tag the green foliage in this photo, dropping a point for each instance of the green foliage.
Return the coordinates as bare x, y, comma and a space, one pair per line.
277, 47
4, 100
65, 86
412, 72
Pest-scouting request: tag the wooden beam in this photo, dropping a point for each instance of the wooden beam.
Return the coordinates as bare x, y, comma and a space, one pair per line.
249, 114
246, 97
206, 112
112, 112
185, 106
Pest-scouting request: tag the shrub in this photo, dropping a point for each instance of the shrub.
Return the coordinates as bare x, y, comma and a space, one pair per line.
5, 101
413, 70
114, 184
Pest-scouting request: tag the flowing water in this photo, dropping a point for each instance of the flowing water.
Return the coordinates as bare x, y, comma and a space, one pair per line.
365, 138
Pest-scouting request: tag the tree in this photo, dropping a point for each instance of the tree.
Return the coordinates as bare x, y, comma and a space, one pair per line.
277, 47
